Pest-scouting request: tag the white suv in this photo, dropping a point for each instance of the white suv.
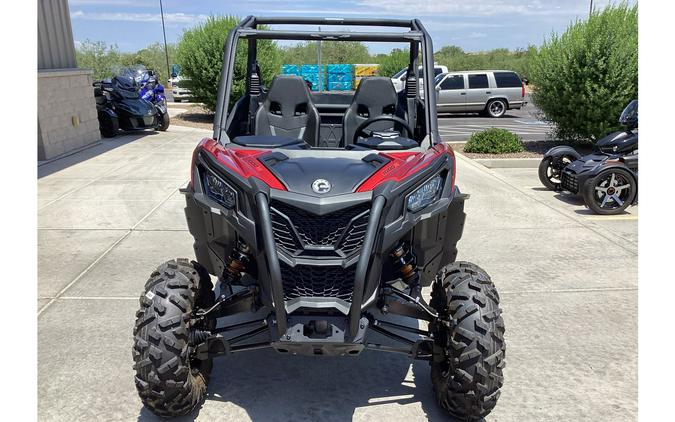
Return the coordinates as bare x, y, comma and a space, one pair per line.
492, 92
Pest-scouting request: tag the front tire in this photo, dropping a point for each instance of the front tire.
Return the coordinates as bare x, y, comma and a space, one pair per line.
108, 125
164, 121
169, 383
496, 108
551, 168
610, 192
469, 348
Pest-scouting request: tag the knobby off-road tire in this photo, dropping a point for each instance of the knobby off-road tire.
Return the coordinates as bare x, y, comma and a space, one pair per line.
168, 383
466, 371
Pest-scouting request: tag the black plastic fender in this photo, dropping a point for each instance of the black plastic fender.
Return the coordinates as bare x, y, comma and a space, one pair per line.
161, 108
107, 112
562, 150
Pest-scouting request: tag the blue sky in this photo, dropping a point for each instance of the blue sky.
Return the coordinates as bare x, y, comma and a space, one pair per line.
473, 25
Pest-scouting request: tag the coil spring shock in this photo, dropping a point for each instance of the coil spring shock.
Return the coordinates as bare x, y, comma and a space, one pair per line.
196, 337
237, 262
405, 264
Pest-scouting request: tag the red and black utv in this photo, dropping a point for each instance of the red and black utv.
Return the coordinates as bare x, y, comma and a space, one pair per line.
322, 215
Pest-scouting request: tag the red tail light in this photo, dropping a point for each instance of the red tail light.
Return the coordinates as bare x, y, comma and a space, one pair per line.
523, 91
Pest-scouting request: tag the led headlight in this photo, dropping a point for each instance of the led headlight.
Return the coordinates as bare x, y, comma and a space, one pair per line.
425, 194
219, 191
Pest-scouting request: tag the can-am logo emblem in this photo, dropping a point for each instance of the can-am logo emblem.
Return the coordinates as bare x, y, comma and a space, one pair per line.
321, 186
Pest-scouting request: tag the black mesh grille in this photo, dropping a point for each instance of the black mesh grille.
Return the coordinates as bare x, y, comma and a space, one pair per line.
316, 281
314, 230
569, 182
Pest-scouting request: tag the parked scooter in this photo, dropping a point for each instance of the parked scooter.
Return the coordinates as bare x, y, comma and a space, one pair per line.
607, 178
120, 106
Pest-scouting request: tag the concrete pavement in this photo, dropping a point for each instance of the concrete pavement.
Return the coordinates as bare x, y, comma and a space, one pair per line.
108, 215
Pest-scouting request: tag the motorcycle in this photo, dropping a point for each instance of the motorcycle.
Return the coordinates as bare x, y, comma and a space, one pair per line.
607, 179
120, 106
150, 87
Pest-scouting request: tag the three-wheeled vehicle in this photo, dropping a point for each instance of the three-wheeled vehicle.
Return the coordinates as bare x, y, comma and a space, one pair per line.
607, 179
120, 106
323, 216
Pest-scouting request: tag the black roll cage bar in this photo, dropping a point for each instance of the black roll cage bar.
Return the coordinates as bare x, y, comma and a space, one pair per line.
417, 36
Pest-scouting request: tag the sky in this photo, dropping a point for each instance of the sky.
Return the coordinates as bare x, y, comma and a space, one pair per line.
474, 25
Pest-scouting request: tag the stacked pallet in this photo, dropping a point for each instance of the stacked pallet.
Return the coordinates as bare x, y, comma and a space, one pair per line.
312, 73
290, 69
363, 71
340, 77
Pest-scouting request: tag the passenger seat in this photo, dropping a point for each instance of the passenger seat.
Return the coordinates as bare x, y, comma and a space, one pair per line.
288, 111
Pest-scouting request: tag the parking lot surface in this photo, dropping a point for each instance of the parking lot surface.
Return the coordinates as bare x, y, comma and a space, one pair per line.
110, 214
457, 127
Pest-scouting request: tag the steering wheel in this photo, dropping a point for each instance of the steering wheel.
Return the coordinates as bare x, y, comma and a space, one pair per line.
388, 117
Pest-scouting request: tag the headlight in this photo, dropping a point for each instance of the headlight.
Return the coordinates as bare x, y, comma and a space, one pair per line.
219, 191
425, 194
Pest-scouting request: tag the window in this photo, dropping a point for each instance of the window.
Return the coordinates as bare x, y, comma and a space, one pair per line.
478, 81
437, 71
453, 82
507, 80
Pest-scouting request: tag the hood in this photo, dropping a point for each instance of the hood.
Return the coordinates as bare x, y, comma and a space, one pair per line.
320, 176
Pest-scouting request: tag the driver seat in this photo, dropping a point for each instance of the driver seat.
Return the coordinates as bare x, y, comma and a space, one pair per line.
288, 111
374, 97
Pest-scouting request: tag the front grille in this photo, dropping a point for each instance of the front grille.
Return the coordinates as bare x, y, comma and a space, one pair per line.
318, 281
569, 181
294, 228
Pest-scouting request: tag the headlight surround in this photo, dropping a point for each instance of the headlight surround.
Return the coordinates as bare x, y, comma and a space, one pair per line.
426, 194
216, 189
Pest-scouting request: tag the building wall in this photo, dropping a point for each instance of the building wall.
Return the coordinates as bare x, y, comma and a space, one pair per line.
67, 118
56, 49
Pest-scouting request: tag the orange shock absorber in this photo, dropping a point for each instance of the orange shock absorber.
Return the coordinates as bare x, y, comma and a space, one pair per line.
237, 262
405, 264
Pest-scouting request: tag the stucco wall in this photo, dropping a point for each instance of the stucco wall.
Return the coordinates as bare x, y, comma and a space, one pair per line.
67, 117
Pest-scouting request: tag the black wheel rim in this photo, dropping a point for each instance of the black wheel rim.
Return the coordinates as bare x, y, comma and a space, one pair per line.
612, 190
555, 168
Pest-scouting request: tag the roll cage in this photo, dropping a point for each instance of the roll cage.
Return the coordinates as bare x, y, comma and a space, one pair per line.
416, 35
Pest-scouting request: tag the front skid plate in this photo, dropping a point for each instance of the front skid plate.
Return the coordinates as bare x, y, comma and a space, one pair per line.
313, 349
331, 342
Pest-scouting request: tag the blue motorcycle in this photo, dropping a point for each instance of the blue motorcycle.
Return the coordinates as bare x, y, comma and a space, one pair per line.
150, 88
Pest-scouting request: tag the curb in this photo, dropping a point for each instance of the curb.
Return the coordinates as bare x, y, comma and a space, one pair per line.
507, 163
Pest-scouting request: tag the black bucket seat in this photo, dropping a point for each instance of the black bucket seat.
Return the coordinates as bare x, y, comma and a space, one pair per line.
374, 97
288, 111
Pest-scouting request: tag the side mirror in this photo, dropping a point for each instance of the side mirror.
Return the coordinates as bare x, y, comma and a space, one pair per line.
438, 88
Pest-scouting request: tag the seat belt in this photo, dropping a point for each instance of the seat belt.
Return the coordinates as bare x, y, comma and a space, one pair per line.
411, 90
254, 93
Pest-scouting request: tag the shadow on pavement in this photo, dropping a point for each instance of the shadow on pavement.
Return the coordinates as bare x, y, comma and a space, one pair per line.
271, 386
105, 145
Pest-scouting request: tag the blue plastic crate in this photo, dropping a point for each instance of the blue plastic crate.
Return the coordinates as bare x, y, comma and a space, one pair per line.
339, 86
339, 68
340, 77
290, 69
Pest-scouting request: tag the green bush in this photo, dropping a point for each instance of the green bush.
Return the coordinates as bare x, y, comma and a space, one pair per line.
586, 76
494, 141
200, 53
393, 62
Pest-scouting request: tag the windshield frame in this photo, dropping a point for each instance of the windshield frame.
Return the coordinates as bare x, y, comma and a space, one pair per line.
417, 36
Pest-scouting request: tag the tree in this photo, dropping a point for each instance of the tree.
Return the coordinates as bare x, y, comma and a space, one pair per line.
152, 57
99, 57
395, 61
331, 52
200, 53
585, 77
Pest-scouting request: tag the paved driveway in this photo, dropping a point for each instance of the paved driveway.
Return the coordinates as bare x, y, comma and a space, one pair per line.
108, 215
